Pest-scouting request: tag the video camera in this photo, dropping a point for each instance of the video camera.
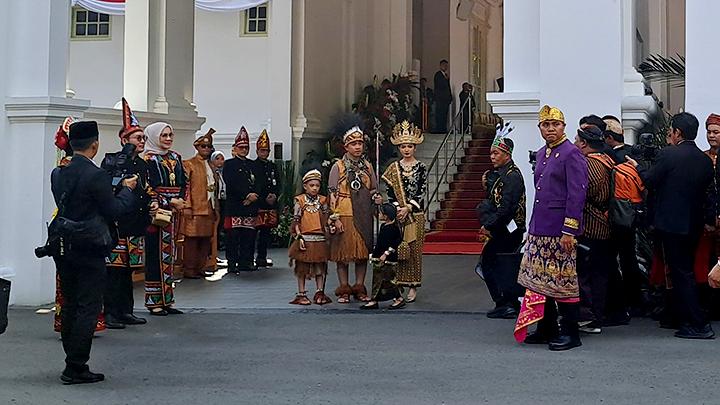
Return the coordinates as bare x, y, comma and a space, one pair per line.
645, 150
533, 159
119, 165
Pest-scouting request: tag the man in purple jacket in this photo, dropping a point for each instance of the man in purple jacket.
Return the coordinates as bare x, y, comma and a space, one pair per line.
548, 266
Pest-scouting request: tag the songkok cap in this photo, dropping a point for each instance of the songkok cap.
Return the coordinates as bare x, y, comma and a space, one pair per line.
242, 138
263, 141
406, 133
313, 174
206, 139
591, 134
712, 119
83, 130
130, 123
548, 113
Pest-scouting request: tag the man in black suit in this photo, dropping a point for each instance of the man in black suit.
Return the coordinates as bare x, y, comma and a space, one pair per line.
615, 139
443, 97
83, 192
678, 183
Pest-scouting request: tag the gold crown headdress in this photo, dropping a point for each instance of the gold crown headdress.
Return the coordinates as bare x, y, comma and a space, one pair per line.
353, 134
263, 141
313, 174
548, 113
405, 133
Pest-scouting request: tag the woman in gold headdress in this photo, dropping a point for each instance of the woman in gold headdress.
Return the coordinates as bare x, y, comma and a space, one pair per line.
406, 180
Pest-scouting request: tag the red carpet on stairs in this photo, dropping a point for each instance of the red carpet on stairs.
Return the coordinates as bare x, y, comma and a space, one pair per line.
455, 228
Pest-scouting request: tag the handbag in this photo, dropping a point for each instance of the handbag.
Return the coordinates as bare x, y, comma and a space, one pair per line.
162, 218
266, 219
4, 301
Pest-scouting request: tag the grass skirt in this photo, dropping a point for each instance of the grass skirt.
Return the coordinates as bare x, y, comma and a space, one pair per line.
311, 262
348, 246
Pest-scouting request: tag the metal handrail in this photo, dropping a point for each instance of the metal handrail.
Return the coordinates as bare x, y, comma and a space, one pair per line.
456, 144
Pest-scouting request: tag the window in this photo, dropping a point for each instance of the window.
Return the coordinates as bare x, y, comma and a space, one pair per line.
89, 24
256, 20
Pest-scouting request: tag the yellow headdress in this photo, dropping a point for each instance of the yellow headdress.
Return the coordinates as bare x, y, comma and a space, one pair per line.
313, 174
406, 132
263, 141
548, 113
353, 134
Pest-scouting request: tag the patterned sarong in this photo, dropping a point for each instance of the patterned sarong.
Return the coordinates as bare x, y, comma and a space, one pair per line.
532, 311
128, 253
547, 269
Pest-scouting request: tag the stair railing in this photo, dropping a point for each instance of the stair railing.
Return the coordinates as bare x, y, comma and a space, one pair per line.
447, 153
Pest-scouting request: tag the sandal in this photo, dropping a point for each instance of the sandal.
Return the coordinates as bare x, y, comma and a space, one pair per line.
173, 311
159, 312
360, 293
373, 305
301, 299
320, 298
344, 299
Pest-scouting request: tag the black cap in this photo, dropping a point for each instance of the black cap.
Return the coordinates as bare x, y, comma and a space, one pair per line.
591, 133
389, 210
83, 130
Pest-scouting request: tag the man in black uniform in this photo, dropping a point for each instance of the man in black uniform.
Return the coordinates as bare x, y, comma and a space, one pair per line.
267, 186
502, 217
127, 254
241, 206
443, 97
83, 192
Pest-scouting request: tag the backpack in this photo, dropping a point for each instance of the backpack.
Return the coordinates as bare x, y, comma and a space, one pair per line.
627, 192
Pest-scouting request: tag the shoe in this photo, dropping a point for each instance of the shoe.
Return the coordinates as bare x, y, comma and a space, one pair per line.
161, 312
692, 332
617, 320
263, 263
232, 268
536, 338
397, 305
173, 311
113, 323
592, 328
503, 312
564, 342
85, 377
130, 319
370, 306
221, 263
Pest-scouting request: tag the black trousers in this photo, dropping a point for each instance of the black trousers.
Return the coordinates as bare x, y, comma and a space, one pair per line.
80, 276
263, 240
118, 298
625, 286
442, 109
593, 269
499, 268
568, 314
240, 247
679, 252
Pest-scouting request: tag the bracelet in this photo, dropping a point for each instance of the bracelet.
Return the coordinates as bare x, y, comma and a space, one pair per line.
334, 217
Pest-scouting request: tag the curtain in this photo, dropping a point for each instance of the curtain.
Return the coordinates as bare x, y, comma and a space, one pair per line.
117, 7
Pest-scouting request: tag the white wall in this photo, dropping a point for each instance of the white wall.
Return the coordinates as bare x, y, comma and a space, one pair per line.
96, 66
460, 68
244, 80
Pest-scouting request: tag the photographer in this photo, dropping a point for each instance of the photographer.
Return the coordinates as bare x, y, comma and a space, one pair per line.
127, 255
679, 180
86, 202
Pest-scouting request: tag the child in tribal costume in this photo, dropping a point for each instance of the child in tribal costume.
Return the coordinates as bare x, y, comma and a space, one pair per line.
352, 186
241, 206
64, 155
129, 252
267, 186
548, 268
406, 180
385, 261
167, 188
200, 213
310, 250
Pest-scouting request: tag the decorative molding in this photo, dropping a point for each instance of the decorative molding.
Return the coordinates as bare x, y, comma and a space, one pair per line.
515, 106
637, 111
43, 109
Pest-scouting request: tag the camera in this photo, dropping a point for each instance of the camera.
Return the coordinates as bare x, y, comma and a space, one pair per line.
645, 150
532, 158
119, 165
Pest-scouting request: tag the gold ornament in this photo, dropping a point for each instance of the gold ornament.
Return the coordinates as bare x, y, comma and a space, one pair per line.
406, 133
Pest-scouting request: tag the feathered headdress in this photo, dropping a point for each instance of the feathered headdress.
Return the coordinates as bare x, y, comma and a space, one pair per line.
501, 133
350, 128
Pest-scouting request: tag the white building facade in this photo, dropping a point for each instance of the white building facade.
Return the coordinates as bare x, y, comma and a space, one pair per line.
291, 66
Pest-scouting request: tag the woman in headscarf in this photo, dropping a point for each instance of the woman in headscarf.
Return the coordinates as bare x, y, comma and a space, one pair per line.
167, 184
217, 161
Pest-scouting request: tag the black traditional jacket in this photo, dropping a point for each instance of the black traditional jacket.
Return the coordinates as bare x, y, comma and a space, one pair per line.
240, 180
505, 202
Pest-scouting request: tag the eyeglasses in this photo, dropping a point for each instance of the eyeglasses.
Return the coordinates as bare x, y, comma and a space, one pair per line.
205, 146
139, 138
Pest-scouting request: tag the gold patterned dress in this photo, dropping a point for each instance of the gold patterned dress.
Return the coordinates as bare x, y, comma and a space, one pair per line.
406, 184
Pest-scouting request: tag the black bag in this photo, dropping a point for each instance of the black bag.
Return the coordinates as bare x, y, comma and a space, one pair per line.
4, 301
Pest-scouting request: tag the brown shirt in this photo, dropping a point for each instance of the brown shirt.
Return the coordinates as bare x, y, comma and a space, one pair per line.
595, 213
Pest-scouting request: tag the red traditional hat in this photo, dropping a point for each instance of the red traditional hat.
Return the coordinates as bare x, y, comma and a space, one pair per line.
242, 138
62, 141
130, 123
712, 119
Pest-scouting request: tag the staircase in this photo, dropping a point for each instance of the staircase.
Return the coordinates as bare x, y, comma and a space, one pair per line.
454, 226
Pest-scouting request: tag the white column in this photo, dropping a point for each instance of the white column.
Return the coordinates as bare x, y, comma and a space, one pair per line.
280, 63
701, 39
33, 84
299, 121
137, 51
459, 54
